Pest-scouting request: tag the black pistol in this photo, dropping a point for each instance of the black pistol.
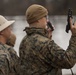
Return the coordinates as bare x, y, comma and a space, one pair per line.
68, 20
50, 25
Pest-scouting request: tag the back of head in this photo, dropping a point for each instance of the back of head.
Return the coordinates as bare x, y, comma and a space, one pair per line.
11, 41
35, 12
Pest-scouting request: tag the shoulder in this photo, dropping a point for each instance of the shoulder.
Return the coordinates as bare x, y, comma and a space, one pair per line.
34, 38
4, 57
40, 38
9, 48
10, 51
4, 51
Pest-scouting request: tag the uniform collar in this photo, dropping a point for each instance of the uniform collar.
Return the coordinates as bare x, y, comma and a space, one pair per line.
34, 30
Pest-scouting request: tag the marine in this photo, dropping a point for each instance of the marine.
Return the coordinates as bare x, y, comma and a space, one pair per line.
39, 54
9, 61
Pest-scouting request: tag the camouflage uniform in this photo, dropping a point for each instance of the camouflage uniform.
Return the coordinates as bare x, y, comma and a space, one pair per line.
41, 56
9, 61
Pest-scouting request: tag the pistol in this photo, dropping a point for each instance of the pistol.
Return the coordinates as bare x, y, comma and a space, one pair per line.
50, 25
68, 20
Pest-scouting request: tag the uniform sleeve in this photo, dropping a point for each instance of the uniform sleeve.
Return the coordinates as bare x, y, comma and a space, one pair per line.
17, 65
16, 61
4, 68
60, 58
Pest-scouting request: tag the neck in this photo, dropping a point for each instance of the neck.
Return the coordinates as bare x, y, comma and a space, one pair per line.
2, 39
37, 25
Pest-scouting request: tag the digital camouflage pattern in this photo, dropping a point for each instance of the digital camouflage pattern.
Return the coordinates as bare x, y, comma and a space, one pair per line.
42, 56
9, 61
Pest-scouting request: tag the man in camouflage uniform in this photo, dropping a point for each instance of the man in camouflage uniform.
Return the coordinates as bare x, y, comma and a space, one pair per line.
9, 61
39, 54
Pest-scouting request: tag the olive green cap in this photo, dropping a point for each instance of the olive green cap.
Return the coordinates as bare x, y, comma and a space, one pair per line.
35, 12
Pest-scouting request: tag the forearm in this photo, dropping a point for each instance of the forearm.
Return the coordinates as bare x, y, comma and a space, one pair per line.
61, 58
71, 50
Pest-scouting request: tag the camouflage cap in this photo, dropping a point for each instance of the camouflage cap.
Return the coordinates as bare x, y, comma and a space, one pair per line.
35, 12
11, 40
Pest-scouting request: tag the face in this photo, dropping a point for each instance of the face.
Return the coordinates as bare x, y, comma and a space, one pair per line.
43, 22
6, 32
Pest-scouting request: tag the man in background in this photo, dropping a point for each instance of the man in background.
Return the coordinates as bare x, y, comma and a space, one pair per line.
9, 61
